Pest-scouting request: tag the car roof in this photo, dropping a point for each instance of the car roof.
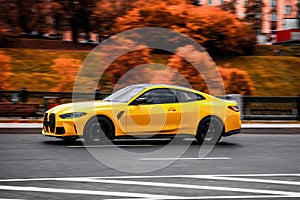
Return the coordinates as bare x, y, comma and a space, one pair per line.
150, 85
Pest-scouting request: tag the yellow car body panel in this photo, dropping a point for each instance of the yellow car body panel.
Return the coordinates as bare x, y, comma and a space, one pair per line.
139, 119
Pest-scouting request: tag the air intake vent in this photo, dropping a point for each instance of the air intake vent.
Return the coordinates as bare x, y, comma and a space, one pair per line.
52, 123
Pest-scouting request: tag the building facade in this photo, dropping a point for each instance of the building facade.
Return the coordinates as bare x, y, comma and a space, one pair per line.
275, 15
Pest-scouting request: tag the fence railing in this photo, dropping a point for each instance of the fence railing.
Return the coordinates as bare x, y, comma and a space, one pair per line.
271, 108
252, 107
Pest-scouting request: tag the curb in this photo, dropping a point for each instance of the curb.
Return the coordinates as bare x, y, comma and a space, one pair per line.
270, 129
268, 126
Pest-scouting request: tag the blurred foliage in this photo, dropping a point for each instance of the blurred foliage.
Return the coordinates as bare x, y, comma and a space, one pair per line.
236, 81
205, 77
5, 70
181, 62
124, 65
41, 70
103, 22
32, 68
220, 32
270, 75
267, 50
253, 12
6, 39
67, 68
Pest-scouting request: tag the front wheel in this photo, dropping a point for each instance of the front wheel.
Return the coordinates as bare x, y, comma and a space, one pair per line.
209, 131
98, 130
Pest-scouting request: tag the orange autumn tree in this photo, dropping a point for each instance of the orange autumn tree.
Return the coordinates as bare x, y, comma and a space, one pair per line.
67, 68
4, 70
147, 14
106, 12
189, 75
164, 76
127, 70
236, 81
220, 32
197, 68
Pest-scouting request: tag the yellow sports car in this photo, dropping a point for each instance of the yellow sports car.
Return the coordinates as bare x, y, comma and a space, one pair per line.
146, 110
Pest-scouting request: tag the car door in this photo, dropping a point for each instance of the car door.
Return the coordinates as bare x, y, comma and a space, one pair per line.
155, 111
190, 110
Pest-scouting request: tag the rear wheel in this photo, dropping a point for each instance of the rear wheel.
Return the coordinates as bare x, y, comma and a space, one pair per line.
210, 130
98, 130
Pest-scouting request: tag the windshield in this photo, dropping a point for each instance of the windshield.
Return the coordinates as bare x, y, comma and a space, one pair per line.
125, 94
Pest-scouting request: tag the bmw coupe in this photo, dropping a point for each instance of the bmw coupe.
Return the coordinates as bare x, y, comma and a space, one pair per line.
146, 110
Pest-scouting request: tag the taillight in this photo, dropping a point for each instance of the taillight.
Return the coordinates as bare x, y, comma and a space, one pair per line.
234, 108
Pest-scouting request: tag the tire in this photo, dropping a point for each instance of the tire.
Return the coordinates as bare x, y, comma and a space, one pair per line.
98, 130
210, 130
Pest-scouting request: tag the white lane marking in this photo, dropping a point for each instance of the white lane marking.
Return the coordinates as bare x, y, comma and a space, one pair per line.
186, 186
145, 177
158, 159
105, 146
233, 176
10, 199
88, 192
221, 197
29, 179
253, 175
250, 180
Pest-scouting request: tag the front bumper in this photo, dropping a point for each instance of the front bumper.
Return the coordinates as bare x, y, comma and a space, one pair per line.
54, 126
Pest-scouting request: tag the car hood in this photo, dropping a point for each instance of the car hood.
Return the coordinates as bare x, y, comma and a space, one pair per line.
86, 106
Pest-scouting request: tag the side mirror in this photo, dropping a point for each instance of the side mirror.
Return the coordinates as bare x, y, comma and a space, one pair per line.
139, 101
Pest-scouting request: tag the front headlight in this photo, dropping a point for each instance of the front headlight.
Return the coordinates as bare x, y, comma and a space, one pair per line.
72, 115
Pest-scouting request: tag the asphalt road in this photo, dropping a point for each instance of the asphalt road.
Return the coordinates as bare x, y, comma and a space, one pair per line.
245, 166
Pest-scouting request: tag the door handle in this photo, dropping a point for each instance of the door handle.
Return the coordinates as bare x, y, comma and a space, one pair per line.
172, 109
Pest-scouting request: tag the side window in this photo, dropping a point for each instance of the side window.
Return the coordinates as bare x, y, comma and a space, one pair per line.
184, 96
160, 96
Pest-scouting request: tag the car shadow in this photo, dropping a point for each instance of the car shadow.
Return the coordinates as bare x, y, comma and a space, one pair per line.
59, 142
229, 144
137, 143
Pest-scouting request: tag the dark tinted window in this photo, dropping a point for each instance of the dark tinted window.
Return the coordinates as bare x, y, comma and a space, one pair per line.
184, 96
160, 96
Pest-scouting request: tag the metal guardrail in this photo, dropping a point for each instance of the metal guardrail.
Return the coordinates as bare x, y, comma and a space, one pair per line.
23, 95
271, 108
252, 107
45, 100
